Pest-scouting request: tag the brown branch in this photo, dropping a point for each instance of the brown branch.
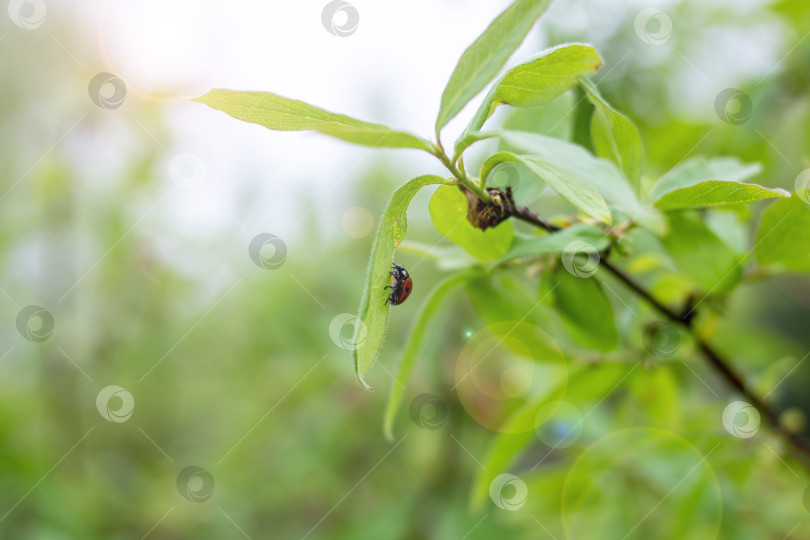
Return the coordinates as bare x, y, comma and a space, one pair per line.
722, 366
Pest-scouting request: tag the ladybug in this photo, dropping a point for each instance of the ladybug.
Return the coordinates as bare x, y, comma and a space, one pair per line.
401, 285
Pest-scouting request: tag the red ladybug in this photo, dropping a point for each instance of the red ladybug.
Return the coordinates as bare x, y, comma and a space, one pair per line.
401, 285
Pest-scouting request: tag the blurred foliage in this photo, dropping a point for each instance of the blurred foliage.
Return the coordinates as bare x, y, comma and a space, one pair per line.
232, 367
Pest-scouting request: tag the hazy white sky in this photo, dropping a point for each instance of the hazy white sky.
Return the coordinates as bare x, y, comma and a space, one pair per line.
391, 69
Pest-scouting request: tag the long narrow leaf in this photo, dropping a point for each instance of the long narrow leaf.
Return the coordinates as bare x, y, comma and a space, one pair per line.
486, 56
562, 178
373, 312
414, 347
614, 136
600, 174
537, 81
283, 114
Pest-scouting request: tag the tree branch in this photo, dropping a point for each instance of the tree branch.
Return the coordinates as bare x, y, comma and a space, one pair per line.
722, 366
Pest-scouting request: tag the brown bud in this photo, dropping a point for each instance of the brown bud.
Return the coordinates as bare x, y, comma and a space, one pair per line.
483, 215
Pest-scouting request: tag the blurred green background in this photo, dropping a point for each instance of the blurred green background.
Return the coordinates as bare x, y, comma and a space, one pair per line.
232, 367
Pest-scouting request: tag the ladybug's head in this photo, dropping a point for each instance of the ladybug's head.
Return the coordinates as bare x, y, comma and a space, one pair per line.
399, 269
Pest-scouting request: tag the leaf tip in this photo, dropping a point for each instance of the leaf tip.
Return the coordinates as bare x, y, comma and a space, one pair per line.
360, 374
198, 99
366, 386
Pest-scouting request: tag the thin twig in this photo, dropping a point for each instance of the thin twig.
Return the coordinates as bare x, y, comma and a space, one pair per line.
721, 366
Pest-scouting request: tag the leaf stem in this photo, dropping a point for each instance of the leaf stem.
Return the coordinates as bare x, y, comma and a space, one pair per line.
462, 178
721, 365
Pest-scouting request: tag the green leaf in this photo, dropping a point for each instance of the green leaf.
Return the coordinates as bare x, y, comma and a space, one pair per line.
783, 236
514, 176
537, 81
700, 169
501, 297
466, 139
700, 255
448, 210
551, 119
562, 178
730, 227
614, 136
486, 56
505, 296
283, 114
414, 347
585, 310
447, 258
529, 246
599, 174
373, 312
716, 193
